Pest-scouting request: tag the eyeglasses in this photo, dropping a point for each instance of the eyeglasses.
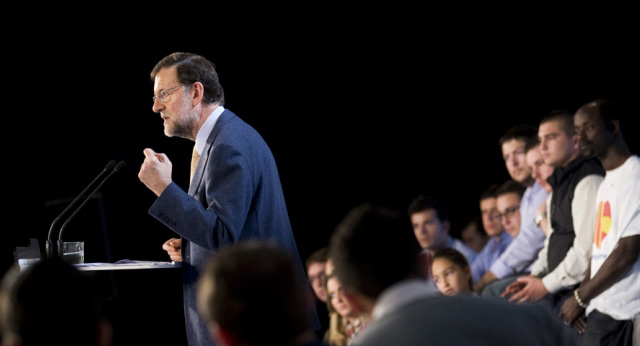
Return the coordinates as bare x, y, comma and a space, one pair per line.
493, 214
508, 212
322, 277
165, 95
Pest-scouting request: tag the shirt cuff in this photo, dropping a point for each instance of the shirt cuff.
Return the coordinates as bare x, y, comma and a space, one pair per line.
551, 283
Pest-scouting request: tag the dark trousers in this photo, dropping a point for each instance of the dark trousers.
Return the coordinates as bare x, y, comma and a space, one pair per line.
603, 330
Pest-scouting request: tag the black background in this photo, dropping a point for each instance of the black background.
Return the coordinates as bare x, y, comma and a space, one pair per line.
356, 105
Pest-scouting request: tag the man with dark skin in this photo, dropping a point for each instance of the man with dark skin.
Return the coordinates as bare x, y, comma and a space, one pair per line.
598, 129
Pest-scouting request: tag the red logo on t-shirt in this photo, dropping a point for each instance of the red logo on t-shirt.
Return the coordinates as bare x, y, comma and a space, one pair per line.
603, 223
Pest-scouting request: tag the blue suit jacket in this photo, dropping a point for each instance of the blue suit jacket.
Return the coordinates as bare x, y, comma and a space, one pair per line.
235, 195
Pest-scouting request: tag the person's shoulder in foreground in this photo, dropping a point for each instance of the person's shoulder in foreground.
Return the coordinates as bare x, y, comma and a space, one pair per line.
468, 321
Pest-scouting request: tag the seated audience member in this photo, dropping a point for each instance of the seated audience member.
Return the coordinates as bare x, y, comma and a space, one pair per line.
508, 199
574, 185
51, 303
610, 292
316, 265
540, 172
451, 273
336, 334
508, 202
350, 321
473, 235
403, 311
523, 251
341, 329
499, 239
431, 228
252, 294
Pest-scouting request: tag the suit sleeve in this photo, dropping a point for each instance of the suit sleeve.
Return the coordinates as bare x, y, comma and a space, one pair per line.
218, 212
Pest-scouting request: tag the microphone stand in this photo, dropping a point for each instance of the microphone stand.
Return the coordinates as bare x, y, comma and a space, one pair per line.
49, 244
117, 168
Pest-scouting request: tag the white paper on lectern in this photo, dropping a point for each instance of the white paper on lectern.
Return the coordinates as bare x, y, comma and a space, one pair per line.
127, 264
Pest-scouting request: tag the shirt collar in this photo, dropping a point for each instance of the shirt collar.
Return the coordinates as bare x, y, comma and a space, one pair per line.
398, 295
206, 128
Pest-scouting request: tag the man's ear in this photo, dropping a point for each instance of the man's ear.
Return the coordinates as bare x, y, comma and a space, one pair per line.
197, 93
615, 127
359, 303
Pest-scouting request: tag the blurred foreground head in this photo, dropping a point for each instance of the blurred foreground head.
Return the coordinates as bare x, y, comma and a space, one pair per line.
372, 249
251, 294
51, 303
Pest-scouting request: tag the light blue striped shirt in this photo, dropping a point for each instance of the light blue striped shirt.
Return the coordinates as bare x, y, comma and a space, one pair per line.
489, 254
523, 251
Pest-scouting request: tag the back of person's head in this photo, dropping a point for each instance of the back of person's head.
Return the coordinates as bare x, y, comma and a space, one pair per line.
424, 203
510, 186
522, 132
372, 249
564, 118
51, 303
193, 68
253, 293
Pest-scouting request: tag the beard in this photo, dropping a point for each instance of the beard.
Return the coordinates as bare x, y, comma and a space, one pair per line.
183, 124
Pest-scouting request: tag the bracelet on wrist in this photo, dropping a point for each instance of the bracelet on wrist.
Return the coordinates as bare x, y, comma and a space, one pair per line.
576, 294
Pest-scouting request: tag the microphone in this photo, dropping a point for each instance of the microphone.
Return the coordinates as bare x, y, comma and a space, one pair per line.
49, 245
121, 165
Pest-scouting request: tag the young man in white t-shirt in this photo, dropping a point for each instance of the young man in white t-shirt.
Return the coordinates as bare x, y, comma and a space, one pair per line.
610, 292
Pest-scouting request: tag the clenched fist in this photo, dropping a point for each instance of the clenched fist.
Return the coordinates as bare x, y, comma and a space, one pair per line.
155, 172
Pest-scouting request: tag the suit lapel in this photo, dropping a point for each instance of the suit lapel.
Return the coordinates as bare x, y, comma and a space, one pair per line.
204, 157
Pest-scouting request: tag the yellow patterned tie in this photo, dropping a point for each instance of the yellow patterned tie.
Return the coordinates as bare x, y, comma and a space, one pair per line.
195, 157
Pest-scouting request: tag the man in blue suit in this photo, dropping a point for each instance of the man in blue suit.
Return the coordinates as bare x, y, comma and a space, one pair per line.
235, 192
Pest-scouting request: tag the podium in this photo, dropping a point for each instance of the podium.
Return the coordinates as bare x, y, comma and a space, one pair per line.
143, 300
